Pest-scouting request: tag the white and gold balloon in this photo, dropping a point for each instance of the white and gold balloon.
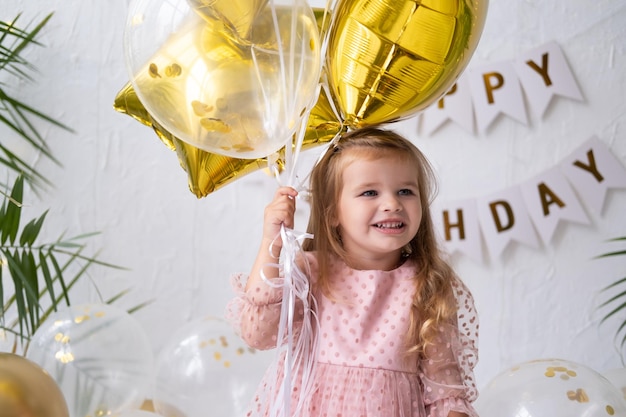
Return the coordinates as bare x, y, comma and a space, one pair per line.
238, 89
99, 356
550, 387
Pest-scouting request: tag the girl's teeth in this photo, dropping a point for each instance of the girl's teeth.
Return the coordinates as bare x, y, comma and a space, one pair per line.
389, 225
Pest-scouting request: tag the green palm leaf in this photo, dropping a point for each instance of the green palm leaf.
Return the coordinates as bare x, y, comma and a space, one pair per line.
616, 301
16, 114
40, 275
37, 269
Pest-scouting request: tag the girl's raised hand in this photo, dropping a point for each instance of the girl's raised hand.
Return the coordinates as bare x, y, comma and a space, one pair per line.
280, 211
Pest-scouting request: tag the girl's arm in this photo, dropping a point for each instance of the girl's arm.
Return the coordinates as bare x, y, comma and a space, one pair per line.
279, 212
445, 391
258, 308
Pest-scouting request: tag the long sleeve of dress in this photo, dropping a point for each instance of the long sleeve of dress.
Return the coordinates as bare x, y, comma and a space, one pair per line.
255, 313
447, 372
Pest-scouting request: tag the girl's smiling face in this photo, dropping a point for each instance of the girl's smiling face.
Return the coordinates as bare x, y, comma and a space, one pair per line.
379, 209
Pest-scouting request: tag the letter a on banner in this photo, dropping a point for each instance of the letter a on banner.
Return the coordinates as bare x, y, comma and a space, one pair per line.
544, 73
503, 218
592, 170
549, 199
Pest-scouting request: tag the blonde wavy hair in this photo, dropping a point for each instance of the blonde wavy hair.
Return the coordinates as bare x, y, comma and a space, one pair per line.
433, 303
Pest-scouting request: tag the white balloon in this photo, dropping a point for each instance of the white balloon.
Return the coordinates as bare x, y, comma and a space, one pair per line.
206, 369
550, 387
99, 356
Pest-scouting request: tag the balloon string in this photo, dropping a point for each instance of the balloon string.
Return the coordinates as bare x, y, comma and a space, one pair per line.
331, 144
281, 56
292, 162
299, 359
327, 19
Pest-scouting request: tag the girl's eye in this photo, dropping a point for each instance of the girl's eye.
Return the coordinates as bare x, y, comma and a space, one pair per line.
369, 193
405, 192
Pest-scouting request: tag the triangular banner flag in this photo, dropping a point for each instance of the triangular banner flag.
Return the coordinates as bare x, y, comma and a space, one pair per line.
544, 73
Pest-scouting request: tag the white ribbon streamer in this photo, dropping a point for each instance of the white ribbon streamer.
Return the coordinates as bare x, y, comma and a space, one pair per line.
299, 349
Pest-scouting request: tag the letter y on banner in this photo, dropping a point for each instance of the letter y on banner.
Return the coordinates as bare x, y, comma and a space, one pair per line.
544, 73
592, 169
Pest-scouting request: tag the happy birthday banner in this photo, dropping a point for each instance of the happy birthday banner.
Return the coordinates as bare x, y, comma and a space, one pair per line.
483, 93
529, 213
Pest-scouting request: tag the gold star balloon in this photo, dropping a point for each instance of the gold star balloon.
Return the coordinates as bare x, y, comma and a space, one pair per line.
206, 171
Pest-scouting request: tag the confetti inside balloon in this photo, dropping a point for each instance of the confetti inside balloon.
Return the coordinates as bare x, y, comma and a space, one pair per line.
550, 387
26, 390
99, 356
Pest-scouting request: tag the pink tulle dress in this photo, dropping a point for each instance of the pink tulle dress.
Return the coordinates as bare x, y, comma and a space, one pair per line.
362, 369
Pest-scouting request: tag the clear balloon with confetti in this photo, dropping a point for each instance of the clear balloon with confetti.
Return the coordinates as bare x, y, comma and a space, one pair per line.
98, 354
550, 387
206, 369
232, 77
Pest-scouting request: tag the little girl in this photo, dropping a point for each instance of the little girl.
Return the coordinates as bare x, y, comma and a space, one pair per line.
396, 328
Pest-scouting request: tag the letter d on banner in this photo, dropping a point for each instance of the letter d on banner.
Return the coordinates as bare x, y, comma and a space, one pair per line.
503, 218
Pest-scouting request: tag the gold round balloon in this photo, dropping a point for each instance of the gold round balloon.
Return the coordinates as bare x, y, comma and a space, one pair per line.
389, 59
26, 390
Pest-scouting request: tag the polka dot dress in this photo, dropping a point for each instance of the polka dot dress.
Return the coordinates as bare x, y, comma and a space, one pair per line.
362, 367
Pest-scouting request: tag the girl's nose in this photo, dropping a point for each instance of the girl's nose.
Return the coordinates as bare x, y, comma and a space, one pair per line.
391, 203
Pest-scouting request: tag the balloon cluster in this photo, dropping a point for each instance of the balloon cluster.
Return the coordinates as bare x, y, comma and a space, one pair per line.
227, 84
95, 360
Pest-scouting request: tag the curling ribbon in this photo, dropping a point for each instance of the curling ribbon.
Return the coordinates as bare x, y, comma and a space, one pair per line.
301, 348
